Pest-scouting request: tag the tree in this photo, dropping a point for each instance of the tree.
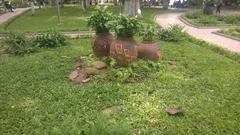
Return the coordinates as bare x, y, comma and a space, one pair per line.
132, 7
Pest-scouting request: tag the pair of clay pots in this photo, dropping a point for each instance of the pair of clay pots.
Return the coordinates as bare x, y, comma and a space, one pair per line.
123, 50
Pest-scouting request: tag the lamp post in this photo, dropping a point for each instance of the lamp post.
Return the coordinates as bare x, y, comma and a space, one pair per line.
58, 11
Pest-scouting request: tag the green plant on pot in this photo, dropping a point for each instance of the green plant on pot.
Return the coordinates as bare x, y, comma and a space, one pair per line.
148, 32
102, 40
125, 26
148, 49
124, 49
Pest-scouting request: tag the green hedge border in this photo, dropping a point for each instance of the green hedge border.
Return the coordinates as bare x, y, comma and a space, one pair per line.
184, 19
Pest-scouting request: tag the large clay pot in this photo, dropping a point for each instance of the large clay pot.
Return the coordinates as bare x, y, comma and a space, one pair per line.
124, 50
149, 50
101, 43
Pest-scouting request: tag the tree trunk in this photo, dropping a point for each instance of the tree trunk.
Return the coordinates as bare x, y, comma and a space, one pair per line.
115, 2
83, 5
132, 7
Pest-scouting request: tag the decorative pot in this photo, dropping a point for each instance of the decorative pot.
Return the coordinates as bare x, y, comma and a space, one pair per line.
124, 50
101, 43
149, 50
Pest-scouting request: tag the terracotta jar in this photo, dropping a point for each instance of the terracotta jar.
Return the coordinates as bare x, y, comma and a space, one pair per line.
149, 50
101, 43
124, 50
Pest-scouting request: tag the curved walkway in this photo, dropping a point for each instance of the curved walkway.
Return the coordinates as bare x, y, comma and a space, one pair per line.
165, 20
5, 17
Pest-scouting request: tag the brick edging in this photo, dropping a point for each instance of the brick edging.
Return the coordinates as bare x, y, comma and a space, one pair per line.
227, 36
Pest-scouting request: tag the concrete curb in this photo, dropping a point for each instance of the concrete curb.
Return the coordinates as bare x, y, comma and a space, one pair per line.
227, 36
199, 27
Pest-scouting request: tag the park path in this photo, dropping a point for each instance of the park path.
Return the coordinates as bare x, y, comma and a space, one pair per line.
165, 20
5, 17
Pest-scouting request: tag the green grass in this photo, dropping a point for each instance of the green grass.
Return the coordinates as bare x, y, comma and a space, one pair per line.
37, 98
72, 19
196, 17
235, 32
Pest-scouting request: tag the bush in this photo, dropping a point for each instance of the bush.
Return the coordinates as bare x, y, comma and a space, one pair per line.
205, 20
174, 33
19, 44
125, 26
99, 19
134, 72
148, 32
232, 19
50, 39
194, 14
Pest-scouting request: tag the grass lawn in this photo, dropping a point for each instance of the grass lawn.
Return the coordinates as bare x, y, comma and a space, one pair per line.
37, 98
73, 19
196, 17
235, 32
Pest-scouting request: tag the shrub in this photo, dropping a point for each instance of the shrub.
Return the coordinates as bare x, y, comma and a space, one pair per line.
19, 44
194, 14
147, 32
134, 72
50, 39
232, 19
174, 33
99, 19
205, 20
125, 26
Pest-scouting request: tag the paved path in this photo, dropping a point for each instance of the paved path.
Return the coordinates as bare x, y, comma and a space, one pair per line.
165, 20
5, 17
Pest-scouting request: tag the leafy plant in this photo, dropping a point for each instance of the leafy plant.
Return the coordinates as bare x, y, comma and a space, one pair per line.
174, 33
19, 44
125, 26
147, 32
132, 73
207, 20
232, 19
50, 39
99, 19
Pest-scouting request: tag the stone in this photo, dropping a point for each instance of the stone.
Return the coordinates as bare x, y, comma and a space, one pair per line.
112, 109
73, 75
92, 71
86, 80
82, 76
99, 65
174, 111
172, 63
78, 65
